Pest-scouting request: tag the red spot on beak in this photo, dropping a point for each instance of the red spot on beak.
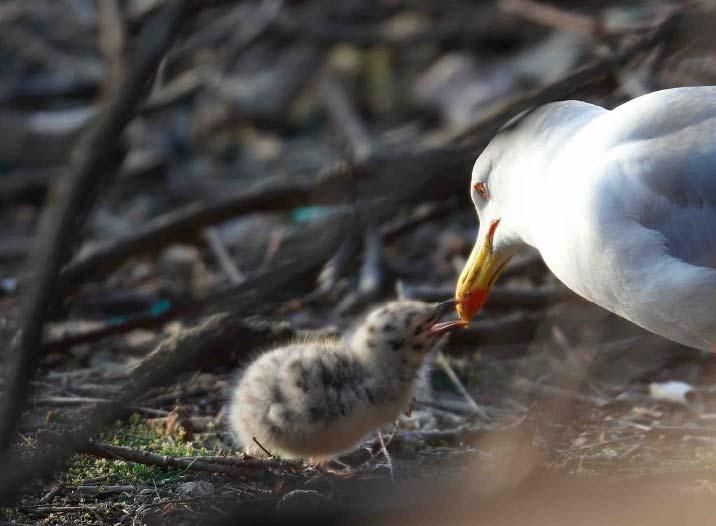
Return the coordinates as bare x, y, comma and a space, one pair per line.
472, 301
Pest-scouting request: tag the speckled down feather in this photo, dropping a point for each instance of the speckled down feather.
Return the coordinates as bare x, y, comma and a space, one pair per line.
318, 399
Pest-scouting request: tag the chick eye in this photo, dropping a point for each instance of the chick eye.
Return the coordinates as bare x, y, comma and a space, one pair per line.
482, 191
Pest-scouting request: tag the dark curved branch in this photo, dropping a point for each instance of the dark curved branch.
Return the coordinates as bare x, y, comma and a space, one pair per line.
95, 157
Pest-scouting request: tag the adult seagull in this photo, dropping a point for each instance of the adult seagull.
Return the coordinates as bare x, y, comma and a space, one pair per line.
621, 205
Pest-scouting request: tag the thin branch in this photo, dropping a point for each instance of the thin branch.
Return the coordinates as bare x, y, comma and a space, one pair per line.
480, 21
226, 262
370, 277
276, 284
262, 448
388, 459
112, 42
51, 494
551, 16
139, 321
337, 266
232, 466
346, 120
189, 220
447, 368
425, 174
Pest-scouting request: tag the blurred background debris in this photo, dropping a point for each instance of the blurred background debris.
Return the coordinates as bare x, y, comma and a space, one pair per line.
217, 176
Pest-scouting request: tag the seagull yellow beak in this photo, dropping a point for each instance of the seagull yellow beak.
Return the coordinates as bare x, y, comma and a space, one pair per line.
481, 271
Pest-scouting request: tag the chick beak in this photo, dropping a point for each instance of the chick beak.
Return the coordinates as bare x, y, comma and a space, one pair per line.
481, 271
444, 307
446, 326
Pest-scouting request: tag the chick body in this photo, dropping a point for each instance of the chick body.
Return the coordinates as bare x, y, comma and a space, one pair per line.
318, 399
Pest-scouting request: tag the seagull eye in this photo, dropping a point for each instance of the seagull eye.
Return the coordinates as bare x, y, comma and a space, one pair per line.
482, 191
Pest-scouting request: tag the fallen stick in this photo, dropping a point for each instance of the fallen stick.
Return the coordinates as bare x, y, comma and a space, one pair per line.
223, 257
190, 220
370, 277
345, 118
386, 455
552, 17
236, 467
269, 287
139, 321
337, 266
479, 21
243, 461
467, 433
447, 368
102, 490
47, 497
413, 176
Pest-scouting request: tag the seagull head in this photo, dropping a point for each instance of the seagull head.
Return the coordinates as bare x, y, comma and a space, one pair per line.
496, 240
509, 182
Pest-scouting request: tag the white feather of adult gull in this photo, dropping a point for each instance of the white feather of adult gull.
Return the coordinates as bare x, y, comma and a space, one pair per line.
621, 205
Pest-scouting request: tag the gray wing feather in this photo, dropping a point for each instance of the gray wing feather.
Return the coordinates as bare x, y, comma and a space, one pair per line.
671, 158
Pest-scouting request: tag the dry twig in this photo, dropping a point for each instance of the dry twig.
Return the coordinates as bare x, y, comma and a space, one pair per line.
447, 368
60, 221
235, 467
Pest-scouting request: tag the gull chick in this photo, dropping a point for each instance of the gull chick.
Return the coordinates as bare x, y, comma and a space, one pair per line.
316, 400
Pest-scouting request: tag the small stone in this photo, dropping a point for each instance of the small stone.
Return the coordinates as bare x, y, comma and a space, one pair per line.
146, 495
301, 500
200, 488
183, 266
151, 517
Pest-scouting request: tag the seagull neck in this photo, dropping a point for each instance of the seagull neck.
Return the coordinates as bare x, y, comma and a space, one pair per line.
521, 220
540, 164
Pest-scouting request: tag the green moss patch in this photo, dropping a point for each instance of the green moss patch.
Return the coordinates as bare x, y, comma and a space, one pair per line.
135, 434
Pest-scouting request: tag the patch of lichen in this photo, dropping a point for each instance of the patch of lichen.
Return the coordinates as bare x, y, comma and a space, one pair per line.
134, 433
12, 515
82, 513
